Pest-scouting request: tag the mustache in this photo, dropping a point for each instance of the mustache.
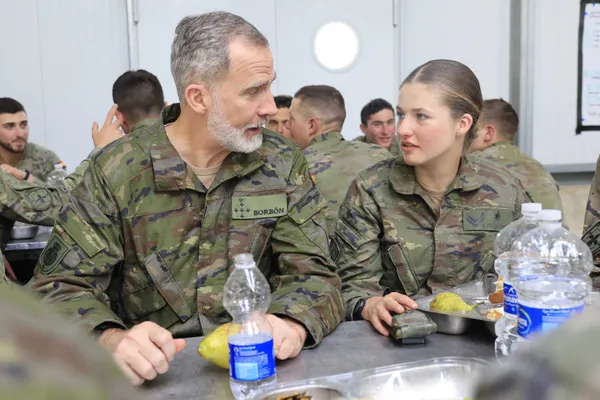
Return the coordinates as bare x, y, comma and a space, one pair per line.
261, 124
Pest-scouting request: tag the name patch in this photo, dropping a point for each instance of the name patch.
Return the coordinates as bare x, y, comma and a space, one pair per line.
253, 207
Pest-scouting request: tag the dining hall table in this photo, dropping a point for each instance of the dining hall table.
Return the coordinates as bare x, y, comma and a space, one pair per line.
352, 346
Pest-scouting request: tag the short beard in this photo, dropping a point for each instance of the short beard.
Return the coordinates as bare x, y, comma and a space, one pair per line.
9, 148
227, 135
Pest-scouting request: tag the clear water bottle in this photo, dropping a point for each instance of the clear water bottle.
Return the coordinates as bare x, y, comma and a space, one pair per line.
549, 266
506, 328
57, 176
247, 296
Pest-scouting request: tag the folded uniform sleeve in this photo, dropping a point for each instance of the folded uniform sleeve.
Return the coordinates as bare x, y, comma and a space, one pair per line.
82, 253
306, 287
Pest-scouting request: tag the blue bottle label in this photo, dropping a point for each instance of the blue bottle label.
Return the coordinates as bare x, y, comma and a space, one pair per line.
252, 362
510, 299
533, 320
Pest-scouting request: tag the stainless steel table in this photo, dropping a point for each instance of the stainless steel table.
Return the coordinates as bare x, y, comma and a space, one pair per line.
36, 243
353, 346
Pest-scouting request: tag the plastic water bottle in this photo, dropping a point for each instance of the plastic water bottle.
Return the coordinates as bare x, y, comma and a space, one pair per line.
57, 176
506, 328
247, 296
550, 268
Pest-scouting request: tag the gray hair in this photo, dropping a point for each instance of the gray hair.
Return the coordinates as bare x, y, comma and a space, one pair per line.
200, 49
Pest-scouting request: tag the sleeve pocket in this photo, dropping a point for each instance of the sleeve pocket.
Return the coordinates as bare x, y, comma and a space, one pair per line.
404, 270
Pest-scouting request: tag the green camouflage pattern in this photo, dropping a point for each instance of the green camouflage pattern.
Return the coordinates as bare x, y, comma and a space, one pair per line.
591, 224
412, 324
38, 160
388, 235
394, 147
26, 202
74, 178
538, 182
43, 356
335, 163
144, 240
560, 365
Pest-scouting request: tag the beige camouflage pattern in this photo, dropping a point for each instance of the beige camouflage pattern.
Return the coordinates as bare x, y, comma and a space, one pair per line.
26, 202
538, 183
591, 224
564, 364
144, 240
38, 160
335, 163
388, 236
394, 147
43, 356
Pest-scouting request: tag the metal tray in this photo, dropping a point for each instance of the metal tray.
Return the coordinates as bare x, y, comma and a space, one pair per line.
433, 379
458, 323
21, 231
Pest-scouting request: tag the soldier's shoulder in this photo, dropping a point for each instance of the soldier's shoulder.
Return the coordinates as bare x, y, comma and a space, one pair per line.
279, 149
493, 173
41, 151
380, 171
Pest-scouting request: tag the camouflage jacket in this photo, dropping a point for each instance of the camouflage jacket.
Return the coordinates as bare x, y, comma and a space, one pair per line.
38, 160
388, 236
335, 163
394, 147
563, 364
76, 176
26, 202
57, 362
144, 240
538, 183
591, 225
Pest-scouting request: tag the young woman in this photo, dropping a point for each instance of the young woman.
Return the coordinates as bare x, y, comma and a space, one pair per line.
428, 219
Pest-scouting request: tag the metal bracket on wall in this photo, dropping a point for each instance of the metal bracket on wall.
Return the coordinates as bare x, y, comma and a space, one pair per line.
132, 33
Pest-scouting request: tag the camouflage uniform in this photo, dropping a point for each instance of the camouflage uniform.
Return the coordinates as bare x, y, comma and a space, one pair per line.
26, 202
43, 356
564, 364
591, 225
388, 238
394, 147
335, 163
535, 179
144, 240
38, 160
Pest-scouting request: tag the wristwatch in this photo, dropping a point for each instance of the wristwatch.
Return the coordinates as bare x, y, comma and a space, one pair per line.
358, 308
27, 174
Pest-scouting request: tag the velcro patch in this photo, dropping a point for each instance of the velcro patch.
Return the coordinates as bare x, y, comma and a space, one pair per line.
53, 254
482, 219
591, 238
39, 198
253, 207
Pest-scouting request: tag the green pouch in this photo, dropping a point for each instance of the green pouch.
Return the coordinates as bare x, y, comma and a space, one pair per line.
412, 324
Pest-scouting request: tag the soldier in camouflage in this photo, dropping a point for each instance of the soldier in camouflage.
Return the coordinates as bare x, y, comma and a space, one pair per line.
27, 202
378, 126
498, 126
316, 119
43, 356
144, 249
591, 225
563, 364
427, 220
14, 147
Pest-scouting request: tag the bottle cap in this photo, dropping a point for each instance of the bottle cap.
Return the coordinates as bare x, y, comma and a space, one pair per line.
530, 208
549, 216
244, 261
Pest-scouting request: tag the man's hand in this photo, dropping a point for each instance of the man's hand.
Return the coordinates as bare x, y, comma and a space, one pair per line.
142, 352
378, 309
288, 336
110, 130
17, 173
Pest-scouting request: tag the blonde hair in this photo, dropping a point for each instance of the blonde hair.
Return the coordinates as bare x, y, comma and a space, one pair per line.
458, 86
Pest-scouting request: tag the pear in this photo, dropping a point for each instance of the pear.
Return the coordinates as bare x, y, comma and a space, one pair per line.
449, 302
215, 347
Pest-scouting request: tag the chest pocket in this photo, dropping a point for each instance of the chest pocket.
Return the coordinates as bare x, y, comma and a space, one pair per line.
158, 299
